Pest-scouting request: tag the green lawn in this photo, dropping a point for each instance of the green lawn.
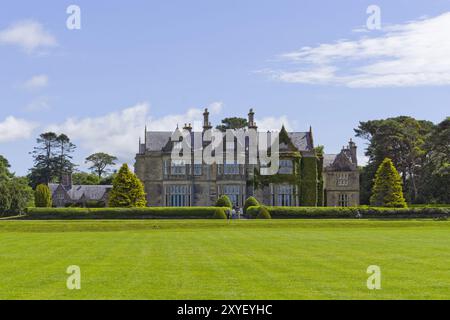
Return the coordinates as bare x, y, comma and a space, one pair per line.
199, 259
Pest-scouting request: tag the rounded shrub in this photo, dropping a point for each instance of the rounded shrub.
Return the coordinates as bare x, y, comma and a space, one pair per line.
263, 213
252, 212
224, 201
42, 197
219, 214
250, 202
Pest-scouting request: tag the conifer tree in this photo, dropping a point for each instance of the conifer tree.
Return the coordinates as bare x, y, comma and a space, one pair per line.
127, 191
387, 189
42, 197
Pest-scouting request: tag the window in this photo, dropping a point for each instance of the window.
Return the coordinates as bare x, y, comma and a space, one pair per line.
231, 168
286, 167
233, 192
343, 200
197, 169
342, 179
60, 196
178, 196
166, 167
178, 167
285, 195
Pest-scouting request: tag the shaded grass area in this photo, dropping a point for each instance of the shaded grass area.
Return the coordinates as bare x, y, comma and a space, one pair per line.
215, 259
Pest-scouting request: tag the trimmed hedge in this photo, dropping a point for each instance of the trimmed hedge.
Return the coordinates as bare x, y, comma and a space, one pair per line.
263, 213
219, 213
123, 213
350, 212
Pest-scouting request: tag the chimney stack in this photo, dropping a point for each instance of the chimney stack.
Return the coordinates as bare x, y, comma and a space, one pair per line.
251, 120
66, 180
188, 127
352, 146
206, 123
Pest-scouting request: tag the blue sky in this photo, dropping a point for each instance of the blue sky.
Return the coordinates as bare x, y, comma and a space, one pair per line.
133, 63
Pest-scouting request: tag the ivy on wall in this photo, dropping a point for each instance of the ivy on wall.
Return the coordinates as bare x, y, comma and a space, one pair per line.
307, 174
308, 189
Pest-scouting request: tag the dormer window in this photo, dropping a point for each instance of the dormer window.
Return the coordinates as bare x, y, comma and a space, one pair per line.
286, 167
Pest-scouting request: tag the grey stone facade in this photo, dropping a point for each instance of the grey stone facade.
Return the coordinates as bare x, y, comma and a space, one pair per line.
174, 184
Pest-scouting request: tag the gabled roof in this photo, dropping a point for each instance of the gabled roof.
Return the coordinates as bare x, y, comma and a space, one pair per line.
339, 162
76, 192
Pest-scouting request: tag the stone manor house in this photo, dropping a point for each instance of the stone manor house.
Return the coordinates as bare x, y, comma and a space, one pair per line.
305, 177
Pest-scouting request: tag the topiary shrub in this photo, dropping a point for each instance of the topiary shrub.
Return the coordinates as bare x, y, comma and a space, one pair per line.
224, 201
128, 190
219, 214
250, 202
252, 212
387, 189
263, 213
42, 197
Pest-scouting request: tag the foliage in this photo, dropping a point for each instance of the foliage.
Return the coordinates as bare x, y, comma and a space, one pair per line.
219, 213
52, 158
387, 189
308, 189
351, 212
122, 213
263, 213
250, 202
434, 181
232, 123
100, 162
224, 201
43, 196
4, 169
86, 179
108, 180
95, 204
402, 139
127, 191
15, 194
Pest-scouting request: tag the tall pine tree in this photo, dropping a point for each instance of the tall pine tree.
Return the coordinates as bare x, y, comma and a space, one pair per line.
127, 191
387, 189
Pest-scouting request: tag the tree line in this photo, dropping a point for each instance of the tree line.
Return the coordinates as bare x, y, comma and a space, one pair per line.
52, 158
419, 149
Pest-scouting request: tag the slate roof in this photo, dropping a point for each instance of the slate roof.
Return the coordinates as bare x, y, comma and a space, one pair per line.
328, 159
76, 192
157, 140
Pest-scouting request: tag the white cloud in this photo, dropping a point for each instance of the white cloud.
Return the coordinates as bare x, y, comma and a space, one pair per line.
416, 53
29, 35
12, 129
36, 82
216, 107
273, 123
